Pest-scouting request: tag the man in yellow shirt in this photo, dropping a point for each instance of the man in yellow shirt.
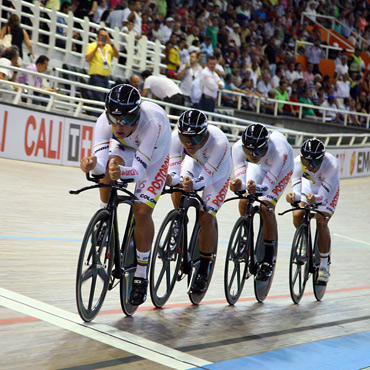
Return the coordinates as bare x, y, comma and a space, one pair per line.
99, 55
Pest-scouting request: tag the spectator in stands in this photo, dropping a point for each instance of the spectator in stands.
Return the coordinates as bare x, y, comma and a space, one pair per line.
187, 74
268, 106
281, 93
86, 8
9, 58
308, 74
317, 94
212, 31
270, 52
157, 32
342, 88
275, 80
135, 81
194, 36
162, 88
305, 99
19, 35
116, 17
292, 109
264, 85
342, 68
173, 63
234, 35
332, 115
65, 8
132, 13
206, 46
167, 29
356, 64
40, 66
195, 93
99, 11
363, 106
210, 83
99, 55
365, 84
314, 54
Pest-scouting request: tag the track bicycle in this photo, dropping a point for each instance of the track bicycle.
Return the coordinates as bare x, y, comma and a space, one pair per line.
305, 257
101, 250
246, 251
175, 256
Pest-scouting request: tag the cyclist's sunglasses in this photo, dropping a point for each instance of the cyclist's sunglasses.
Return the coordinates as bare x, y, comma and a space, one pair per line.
129, 119
255, 152
312, 162
195, 140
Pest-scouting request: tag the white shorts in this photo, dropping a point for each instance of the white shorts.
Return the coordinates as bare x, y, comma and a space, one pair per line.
257, 174
215, 193
150, 186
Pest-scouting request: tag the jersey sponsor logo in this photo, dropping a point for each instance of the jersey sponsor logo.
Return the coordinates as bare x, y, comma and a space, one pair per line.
101, 148
141, 161
282, 184
269, 179
218, 201
175, 163
241, 173
285, 159
130, 172
147, 197
160, 178
334, 202
208, 171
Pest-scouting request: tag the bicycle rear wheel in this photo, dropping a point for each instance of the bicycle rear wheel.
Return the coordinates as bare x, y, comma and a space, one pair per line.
95, 265
236, 263
299, 263
262, 286
166, 259
128, 263
196, 298
319, 289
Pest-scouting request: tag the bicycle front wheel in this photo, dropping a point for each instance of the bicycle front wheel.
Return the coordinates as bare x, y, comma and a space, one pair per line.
299, 263
128, 265
95, 265
236, 263
166, 259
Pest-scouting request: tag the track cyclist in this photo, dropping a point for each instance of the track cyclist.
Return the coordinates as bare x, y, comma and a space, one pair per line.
316, 180
132, 141
200, 158
263, 164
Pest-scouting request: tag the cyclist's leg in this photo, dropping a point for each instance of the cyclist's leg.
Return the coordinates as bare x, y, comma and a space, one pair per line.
148, 191
324, 239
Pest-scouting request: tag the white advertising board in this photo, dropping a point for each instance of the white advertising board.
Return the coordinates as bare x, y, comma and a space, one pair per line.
46, 138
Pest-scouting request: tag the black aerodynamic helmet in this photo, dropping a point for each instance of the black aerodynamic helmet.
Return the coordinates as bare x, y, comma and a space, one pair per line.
313, 150
122, 105
255, 137
193, 123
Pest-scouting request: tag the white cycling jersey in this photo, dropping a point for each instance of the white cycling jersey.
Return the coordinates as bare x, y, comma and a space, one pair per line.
209, 167
273, 171
324, 184
145, 152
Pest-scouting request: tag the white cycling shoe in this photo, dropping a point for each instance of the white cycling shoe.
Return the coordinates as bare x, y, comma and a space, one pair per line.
324, 275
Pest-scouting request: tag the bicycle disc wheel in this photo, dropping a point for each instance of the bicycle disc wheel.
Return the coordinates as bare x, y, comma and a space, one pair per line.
166, 259
128, 262
262, 286
236, 263
319, 289
94, 265
196, 298
299, 263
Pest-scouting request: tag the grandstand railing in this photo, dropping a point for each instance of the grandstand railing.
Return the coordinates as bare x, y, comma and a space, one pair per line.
71, 90
21, 95
361, 41
138, 54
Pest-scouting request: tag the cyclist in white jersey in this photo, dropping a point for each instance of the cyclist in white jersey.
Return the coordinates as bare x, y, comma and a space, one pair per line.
316, 180
263, 163
132, 141
200, 158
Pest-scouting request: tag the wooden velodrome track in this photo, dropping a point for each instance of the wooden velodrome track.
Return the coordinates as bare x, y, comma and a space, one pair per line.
41, 227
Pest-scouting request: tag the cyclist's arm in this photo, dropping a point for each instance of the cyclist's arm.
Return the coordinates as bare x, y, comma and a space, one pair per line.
239, 164
144, 154
297, 178
219, 150
102, 136
331, 179
174, 167
271, 178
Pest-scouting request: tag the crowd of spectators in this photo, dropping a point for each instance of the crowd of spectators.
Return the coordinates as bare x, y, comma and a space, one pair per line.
254, 45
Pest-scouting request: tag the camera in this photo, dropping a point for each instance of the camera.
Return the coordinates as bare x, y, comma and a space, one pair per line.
104, 38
